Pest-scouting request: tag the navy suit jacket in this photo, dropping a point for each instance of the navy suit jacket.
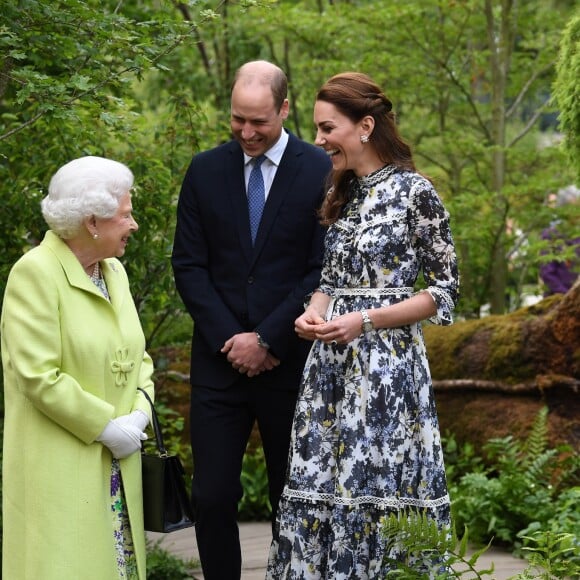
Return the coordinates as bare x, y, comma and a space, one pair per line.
227, 285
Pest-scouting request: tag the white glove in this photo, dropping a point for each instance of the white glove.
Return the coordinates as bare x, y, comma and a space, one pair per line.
137, 419
122, 440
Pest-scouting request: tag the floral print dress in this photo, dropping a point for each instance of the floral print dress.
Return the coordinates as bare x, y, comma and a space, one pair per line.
365, 439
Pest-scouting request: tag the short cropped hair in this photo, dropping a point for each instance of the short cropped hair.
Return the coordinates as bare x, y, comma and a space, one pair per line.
84, 187
265, 73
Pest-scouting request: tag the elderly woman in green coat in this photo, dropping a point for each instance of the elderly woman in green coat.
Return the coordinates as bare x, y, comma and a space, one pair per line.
73, 354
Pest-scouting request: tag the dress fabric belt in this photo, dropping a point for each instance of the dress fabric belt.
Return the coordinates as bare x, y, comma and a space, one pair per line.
360, 291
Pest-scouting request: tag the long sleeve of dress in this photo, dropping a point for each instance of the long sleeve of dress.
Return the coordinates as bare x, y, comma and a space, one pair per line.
431, 236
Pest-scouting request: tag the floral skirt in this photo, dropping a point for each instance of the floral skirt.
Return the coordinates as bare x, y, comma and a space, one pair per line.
126, 560
322, 541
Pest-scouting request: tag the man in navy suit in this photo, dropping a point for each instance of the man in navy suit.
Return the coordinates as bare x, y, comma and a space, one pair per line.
243, 296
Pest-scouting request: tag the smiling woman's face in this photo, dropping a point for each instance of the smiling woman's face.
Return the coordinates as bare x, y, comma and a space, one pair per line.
339, 137
114, 232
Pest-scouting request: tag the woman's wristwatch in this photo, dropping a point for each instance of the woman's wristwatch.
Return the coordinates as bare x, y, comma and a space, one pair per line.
367, 323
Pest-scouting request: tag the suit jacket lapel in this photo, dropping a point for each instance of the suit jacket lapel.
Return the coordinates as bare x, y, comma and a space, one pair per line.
281, 187
237, 194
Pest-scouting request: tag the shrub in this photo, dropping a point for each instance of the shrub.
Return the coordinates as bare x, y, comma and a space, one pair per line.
161, 565
552, 555
427, 551
255, 503
523, 484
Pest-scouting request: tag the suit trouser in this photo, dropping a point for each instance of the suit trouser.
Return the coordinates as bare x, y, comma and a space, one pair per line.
221, 423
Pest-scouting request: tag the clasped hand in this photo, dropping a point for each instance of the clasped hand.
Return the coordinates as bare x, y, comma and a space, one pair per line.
340, 330
124, 434
247, 356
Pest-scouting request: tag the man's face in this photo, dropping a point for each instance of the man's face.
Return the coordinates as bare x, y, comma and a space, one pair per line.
255, 122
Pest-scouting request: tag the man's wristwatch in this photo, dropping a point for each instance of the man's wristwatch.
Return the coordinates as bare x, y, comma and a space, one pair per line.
261, 341
367, 323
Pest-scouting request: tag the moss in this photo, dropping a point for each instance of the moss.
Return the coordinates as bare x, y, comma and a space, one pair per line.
444, 342
505, 352
492, 348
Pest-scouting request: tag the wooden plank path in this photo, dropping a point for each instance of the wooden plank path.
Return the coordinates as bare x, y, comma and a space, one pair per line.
256, 536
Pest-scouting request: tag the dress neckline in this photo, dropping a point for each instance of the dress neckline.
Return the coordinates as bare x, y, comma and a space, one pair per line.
376, 176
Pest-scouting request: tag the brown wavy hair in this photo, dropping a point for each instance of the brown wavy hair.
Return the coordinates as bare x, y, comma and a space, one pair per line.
356, 95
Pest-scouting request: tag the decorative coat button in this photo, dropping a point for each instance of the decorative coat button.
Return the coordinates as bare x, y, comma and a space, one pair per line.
122, 366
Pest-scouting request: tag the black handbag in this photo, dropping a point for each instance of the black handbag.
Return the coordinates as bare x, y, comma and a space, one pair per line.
166, 504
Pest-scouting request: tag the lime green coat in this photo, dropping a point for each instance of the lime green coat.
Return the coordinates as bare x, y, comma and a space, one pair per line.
72, 360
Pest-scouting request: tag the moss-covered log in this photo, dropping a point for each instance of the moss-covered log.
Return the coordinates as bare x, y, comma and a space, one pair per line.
492, 375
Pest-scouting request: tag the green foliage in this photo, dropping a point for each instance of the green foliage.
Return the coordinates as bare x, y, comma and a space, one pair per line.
555, 545
171, 427
459, 460
255, 504
69, 79
161, 565
567, 91
427, 551
552, 555
524, 483
63, 58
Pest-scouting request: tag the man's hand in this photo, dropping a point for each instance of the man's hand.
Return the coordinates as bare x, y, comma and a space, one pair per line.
247, 356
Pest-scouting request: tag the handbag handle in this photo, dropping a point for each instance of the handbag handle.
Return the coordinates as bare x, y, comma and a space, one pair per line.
156, 427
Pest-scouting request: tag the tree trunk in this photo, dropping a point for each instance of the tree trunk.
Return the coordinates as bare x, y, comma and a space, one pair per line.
499, 34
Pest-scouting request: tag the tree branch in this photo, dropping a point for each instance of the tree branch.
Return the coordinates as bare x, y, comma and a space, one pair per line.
539, 385
529, 124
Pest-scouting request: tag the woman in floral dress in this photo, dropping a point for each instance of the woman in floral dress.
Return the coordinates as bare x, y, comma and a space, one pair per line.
366, 440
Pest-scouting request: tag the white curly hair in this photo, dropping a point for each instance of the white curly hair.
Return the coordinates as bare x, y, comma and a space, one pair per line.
84, 187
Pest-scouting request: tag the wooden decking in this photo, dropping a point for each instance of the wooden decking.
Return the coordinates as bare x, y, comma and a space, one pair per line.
255, 538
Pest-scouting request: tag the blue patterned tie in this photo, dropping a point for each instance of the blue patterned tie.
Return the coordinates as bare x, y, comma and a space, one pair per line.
256, 196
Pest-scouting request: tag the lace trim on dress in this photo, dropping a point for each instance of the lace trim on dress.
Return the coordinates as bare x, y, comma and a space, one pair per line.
376, 177
380, 502
372, 291
393, 217
348, 227
444, 313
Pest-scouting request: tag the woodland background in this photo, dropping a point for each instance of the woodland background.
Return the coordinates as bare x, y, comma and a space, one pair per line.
485, 92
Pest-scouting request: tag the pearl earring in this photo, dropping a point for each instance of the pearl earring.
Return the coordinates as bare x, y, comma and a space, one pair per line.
364, 138
95, 236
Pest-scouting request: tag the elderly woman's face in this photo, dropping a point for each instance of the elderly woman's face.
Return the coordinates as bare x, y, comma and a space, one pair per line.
114, 232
